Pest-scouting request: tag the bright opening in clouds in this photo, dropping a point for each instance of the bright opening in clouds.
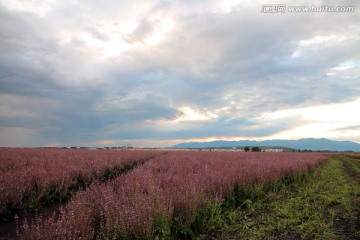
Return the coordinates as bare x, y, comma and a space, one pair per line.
156, 73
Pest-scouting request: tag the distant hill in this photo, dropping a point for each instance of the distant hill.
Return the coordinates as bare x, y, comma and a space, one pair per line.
313, 144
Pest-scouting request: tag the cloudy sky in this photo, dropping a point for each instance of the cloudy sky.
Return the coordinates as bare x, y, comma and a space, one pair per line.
156, 73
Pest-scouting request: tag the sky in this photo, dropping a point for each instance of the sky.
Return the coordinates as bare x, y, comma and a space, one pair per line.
156, 73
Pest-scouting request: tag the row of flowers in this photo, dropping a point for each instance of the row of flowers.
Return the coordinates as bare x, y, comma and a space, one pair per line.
31, 178
163, 197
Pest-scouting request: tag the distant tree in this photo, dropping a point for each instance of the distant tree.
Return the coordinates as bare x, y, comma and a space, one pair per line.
256, 149
247, 149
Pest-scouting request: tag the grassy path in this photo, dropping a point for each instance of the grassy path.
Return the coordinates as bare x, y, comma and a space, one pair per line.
325, 206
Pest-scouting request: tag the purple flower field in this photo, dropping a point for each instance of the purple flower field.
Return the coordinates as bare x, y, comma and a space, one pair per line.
153, 200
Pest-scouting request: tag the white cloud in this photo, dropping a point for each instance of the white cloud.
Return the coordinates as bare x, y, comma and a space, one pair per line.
190, 114
39, 7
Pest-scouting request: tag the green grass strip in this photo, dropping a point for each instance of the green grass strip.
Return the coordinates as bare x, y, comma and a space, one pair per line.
325, 205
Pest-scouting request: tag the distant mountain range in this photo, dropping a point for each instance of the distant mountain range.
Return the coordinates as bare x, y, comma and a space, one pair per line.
313, 144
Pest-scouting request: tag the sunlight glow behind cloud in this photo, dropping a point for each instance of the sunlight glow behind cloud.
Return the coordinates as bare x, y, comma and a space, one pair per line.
322, 120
